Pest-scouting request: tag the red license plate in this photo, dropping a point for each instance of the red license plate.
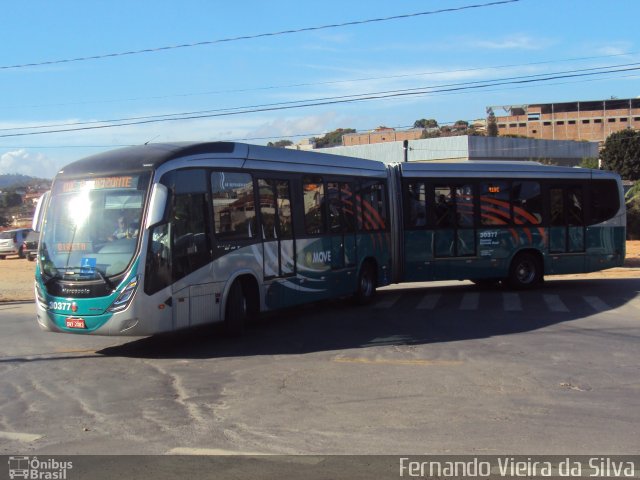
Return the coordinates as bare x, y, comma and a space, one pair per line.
73, 322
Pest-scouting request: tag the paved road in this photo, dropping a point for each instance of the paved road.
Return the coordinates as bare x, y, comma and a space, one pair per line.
428, 368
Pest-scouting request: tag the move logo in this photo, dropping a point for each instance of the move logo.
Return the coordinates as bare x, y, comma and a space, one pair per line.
322, 257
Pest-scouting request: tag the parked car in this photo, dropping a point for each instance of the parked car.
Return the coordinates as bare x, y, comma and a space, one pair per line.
12, 242
30, 245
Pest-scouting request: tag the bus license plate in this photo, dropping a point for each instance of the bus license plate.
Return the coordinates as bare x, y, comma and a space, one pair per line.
73, 322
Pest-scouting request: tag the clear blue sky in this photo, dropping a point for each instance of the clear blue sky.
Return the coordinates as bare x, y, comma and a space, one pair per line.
527, 37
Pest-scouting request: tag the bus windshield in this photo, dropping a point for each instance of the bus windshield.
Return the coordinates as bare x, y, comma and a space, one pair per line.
92, 226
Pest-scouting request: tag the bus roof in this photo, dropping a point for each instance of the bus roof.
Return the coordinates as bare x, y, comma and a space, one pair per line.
498, 168
150, 157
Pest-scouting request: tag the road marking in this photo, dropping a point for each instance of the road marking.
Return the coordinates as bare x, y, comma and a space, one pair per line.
597, 304
387, 302
391, 361
470, 301
511, 302
554, 303
21, 437
429, 301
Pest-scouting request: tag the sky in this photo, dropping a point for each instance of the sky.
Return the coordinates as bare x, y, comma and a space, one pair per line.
335, 67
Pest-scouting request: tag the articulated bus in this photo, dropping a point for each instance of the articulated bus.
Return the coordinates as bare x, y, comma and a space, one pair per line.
164, 237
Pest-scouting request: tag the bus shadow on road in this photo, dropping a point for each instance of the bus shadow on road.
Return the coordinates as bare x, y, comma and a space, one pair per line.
397, 317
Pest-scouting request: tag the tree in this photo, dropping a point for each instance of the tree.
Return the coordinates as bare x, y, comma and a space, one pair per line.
589, 162
492, 125
425, 123
332, 139
621, 154
461, 125
280, 143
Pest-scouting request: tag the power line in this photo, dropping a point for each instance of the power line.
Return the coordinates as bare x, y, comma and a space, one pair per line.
258, 35
331, 82
425, 90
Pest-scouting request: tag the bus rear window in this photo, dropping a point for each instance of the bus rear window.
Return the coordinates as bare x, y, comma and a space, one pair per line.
605, 200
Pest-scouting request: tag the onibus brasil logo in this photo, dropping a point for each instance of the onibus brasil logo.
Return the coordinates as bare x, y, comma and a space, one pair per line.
32, 468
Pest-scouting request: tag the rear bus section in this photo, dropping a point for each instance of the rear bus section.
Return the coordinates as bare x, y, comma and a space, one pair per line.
507, 221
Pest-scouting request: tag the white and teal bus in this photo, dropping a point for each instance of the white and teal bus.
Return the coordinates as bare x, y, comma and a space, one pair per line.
163, 237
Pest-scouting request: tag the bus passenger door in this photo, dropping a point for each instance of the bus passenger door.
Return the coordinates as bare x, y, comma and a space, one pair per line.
567, 228
454, 235
277, 240
341, 226
191, 249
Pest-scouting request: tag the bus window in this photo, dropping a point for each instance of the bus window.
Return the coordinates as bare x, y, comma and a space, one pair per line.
233, 205
284, 208
605, 200
495, 208
464, 206
527, 203
373, 207
574, 207
267, 209
313, 190
334, 214
416, 205
348, 207
190, 243
557, 207
444, 207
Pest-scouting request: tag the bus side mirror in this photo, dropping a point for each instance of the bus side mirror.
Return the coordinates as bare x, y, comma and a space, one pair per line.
38, 216
157, 205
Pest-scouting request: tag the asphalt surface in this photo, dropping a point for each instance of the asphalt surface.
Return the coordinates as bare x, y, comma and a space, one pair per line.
441, 368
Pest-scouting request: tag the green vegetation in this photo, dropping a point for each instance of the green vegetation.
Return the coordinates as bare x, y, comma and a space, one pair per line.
621, 154
332, 139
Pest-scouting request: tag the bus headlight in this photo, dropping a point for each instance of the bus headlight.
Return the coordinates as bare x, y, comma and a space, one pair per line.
125, 297
40, 295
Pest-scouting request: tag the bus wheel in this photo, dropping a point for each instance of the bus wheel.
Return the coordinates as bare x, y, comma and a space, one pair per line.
237, 309
366, 288
525, 271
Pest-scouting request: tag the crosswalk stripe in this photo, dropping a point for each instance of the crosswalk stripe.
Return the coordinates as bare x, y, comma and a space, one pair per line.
511, 302
470, 301
596, 303
429, 301
387, 302
554, 303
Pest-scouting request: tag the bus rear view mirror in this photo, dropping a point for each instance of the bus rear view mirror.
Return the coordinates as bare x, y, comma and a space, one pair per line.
157, 204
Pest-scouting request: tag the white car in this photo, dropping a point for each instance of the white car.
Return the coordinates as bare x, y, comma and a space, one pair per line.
11, 242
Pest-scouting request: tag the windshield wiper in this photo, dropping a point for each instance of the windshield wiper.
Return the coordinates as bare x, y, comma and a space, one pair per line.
105, 279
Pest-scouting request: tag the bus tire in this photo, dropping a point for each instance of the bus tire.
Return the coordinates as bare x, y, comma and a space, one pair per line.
525, 271
237, 310
366, 288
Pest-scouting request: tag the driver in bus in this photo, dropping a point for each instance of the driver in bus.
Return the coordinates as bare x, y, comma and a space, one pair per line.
122, 230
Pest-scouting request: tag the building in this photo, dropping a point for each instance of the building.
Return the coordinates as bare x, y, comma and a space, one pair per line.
464, 147
592, 121
381, 135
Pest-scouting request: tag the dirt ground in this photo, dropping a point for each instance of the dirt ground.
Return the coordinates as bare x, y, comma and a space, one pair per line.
16, 274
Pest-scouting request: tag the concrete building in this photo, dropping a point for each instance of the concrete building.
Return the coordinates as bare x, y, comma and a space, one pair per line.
472, 148
592, 121
381, 135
